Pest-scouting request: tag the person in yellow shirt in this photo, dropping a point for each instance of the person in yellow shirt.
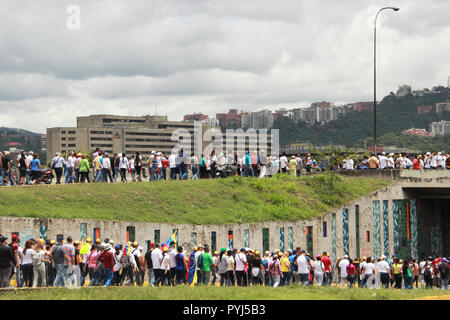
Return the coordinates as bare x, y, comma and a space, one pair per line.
84, 251
397, 272
285, 266
292, 165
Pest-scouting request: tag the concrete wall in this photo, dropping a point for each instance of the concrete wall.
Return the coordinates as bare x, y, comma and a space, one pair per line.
30, 227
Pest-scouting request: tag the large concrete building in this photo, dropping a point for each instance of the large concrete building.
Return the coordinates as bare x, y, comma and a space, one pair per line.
116, 134
143, 134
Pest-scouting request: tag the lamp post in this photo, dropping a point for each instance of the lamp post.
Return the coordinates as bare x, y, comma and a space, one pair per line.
375, 78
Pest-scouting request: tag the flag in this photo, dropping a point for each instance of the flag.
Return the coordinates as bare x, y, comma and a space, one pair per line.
171, 239
192, 264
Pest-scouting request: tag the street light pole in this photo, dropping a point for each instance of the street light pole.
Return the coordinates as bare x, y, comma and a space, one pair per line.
375, 78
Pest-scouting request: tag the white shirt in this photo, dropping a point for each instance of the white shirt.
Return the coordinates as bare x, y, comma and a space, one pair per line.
383, 266
172, 162
117, 264
163, 263
362, 265
408, 162
433, 161
28, 256
383, 162
172, 261
70, 161
29, 158
391, 163
131, 164
196, 258
240, 259
123, 163
441, 161
106, 163
349, 165
302, 264
368, 268
194, 161
158, 158
427, 162
156, 258
422, 266
318, 267
283, 162
343, 265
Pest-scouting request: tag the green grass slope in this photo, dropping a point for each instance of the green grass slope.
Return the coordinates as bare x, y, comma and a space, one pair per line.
218, 201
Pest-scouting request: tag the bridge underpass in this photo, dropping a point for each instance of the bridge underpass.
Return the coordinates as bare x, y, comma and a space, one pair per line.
433, 219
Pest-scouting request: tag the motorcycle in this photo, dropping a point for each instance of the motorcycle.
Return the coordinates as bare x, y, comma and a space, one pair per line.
224, 171
45, 175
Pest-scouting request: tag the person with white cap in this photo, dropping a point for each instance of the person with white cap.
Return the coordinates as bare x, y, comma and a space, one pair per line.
173, 165
29, 157
107, 259
427, 161
391, 162
433, 161
57, 165
383, 161
343, 267
440, 160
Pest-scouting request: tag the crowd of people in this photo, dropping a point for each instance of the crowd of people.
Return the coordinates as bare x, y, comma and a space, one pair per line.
104, 167
106, 263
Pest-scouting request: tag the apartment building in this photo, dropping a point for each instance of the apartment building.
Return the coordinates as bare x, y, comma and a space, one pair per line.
440, 127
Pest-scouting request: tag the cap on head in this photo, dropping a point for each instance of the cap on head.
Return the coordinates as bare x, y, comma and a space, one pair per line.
52, 242
166, 249
97, 241
88, 239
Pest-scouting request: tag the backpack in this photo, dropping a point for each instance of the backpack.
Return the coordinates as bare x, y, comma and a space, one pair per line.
294, 263
36, 260
137, 161
200, 261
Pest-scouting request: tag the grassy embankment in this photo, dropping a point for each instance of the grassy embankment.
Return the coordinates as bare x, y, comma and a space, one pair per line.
224, 293
218, 201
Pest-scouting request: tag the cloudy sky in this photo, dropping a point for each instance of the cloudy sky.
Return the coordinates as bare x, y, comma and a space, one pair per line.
186, 56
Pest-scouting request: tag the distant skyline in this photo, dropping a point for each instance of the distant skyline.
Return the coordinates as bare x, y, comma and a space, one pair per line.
208, 56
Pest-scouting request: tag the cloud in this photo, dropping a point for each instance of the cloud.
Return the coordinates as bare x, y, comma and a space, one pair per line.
209, 55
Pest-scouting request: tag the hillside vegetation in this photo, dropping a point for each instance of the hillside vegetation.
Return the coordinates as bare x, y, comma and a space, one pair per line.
394, 114
218, 201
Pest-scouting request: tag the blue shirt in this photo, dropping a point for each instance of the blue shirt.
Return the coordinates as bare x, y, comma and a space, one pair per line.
291, 258
179, 258
35, 164
247, 160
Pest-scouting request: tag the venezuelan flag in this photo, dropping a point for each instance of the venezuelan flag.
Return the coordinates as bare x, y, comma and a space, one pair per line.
171, 239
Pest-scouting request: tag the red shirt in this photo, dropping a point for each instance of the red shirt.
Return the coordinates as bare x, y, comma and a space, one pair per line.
326, 262
416, 164
107, 258
164, 163
351, 269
